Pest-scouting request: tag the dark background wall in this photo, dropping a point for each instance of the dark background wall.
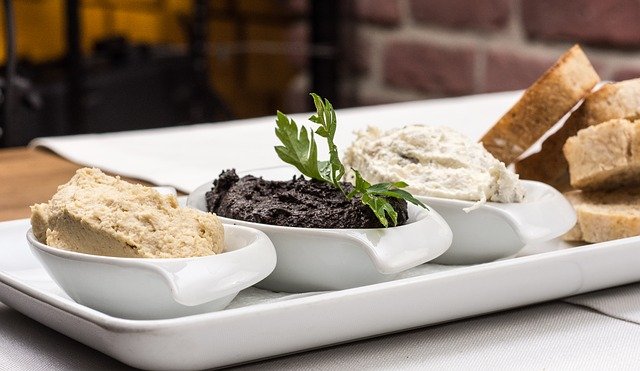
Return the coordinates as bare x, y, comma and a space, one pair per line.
263, 55
400, 50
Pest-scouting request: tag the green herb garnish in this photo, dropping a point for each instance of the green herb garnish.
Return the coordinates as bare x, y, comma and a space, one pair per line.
300, 150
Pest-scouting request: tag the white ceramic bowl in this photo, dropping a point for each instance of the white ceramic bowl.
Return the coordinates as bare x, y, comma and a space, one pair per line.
141, 288
498, 230
492, 231
315, 259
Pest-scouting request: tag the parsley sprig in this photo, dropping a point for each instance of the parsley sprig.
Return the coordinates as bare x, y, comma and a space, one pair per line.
299, 149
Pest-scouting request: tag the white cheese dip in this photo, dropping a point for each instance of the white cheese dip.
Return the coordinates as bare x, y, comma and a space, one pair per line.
434, 161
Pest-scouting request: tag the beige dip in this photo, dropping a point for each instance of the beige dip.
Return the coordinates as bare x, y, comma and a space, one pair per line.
97, 214
434, 161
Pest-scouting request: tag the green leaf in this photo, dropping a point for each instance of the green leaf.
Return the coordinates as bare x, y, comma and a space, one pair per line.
381, 208
300, 150
374, 196
299, 147
393, 190
386, 206
387, 186
375, 205
361, 185
326, 117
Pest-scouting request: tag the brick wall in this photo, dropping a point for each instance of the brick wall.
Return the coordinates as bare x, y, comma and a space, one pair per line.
414, 49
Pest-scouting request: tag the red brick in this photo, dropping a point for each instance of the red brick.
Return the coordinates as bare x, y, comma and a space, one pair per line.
509, 70
429, 68
602, 22
383, 12
476, 14
359, 54
296, 7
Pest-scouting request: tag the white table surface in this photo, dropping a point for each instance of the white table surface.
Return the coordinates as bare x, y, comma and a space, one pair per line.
592, 331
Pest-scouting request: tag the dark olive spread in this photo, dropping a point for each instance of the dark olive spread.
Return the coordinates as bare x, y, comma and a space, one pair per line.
296, 203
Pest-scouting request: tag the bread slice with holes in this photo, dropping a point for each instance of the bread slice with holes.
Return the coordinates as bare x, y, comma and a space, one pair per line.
612, 101
605, 156
605, 215
542, 105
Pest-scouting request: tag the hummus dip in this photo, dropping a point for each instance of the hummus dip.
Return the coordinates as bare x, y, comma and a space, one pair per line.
101, 215
434, 161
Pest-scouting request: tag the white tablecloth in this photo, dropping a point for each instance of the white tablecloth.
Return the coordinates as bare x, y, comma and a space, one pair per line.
593, 331
187, 156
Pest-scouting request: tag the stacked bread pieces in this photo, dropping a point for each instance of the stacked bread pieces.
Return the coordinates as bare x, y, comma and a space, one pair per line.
612, 101
595, 158
542, 105
604, 164
595, 155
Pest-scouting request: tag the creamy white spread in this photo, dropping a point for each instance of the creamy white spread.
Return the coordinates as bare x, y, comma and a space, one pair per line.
434, 161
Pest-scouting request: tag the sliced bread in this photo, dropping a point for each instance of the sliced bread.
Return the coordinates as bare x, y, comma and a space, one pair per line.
612, 101
576, 199
605, 156
605, 215
554, 94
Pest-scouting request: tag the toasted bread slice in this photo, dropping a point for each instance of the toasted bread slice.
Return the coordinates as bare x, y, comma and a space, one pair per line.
549, 165
605, 156
612, 101
617, 100
605, 215
554, 94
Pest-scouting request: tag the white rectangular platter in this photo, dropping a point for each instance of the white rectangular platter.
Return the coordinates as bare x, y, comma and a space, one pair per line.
259, 328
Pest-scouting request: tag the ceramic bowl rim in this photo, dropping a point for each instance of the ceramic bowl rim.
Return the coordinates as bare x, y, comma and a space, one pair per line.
80, 256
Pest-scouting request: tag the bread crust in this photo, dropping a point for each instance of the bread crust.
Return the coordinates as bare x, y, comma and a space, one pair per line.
549, 165
554, 94
605, 215
620, 100
611, 101
576, 199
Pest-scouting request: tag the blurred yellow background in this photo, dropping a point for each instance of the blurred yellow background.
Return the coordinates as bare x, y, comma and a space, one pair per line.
252, 91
